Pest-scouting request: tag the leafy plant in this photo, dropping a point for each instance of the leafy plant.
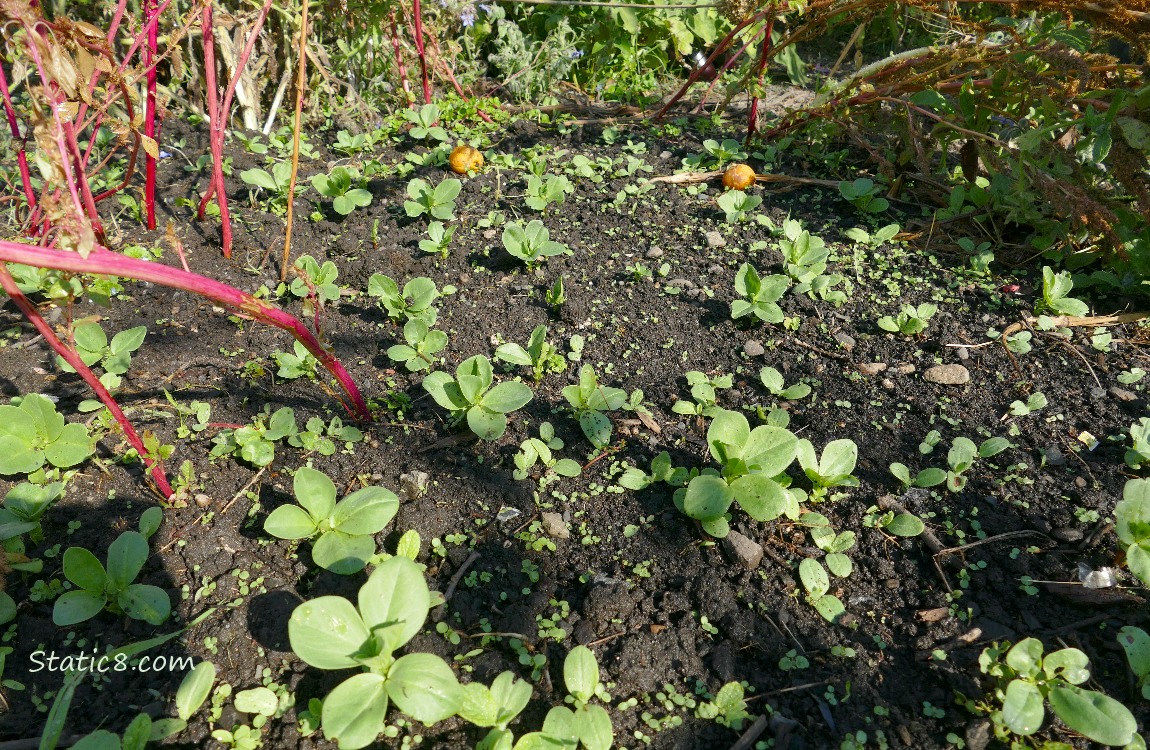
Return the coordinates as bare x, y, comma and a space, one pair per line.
345, 529
752, 462
817, 584
23, 507
704, 391
962, 455
349, 144
1139, 452
437, 202
1025, 680
716, 155
412, 302
422, 343
275, 183
589, 400
864, 195
881, 235
540, 355
470, 396
736, 205
32, 433
772, 379
556, 296
900, 524
805, 261
541, 194
1136, 643
345, 187
1033, 403
1132, 525
662, 470
255, 443
332, 633
1056, 288
495, 707
910, 321
531, 244
98, 587
423, 123
438, 239
314, 281
300, 364
94, 349
761, 295
834, 469
728, 708
538, 450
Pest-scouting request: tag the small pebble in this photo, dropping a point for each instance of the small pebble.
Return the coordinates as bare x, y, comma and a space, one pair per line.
963, 353
845, 341
872, 368
748, 552
753, 348
414, 483
554, 526
682, 283
1080, 483
1122, 394
203, 500
665, 155
488, 234
655, 252
947, 375
715, 270
888, 384
714, 239
1097, 393
1054, 456
905, 369
1067, 534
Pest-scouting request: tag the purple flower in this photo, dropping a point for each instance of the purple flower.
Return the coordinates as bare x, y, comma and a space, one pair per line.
575, 54
467, 17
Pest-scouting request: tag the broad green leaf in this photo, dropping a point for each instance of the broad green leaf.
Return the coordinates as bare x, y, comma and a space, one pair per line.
83, 569
513, 353
597, 427
760, 496
1069, 664
487, 424
830, 608
315, 492
101, 739
126, 557
839, 458
905, 524
342, 553
770, 449
1132, 513
71, 447
365, 511
76, 606
594, 726
143, 602
258, 700
930, 477
194, 689
395, 595
290, 522
1022, 710
814, 578
507, 397
511, 694
129, 340
1025, 657
707, 498
424, 687
327, 632
839, 564
354, 712
1092, 714
581, 673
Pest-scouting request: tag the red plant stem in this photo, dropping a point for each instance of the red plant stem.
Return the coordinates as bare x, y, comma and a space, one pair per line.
150, 126
72, 358
216, 137
760, 72
100, 260
698, 71
399, 60
730, 63
417, 11
451, 77
82, 179
21, 157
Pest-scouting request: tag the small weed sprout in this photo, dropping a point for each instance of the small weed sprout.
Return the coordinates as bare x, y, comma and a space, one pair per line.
1056, 289
540, 355
542, 193
556, 295
300, 364
422, 342
772, 379
761, 295
834, 469
736, 205
589, 400
538, 450
438, 239
423, 124
437, 202
863, 193
805, 261
94, 349
911, 320
410, 303
704, 391
345, 187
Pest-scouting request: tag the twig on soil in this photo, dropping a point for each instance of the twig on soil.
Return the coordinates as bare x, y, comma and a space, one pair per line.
1081, 356
817, 350
942, 554
606, 638
29, 342
890, 502
791, 689
458, 576
603, 455
689, 178
752, 734
242, 490
1074, 321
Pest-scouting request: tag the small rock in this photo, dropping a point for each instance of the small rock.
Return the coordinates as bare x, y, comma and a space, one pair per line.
963, 353
872, 368
665, 155
655, 252
905, 369
203, 500
753, 348
978, 734
845, 341
414, 483
488, 234
1067, 534
947, 375
888, 384
748, 552
715, 270
554, 526
682, 283
1054, 456
464, 278
1122, 394
1097, 393
1080, 483
714, 239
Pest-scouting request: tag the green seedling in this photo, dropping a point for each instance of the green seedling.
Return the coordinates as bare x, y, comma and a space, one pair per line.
910, 321
349, 144
587, 726
929, 477
1139, 453
736, 205
438, 239
275, 183
900, 524
314, 282
962, 455
817, 583
589, 400
752, 461
300, 364
704, 391
1032, 404
805, 261
1132, 525
538, 450
636, 479
717, 155
437, 202
344, 186
239, 737
422, 343
772, 379
319, 437
333, 634
531, 244
495, 707
1025, 681
540, 355
94, 349
833, 544
112, 588
728, 708
762, 295
556, 296
23, 507
423, 123
1136, 643
412, 302
834, 469
863, 237
1056, 289
345, 529
470, 397
255, 443
32, 434
190, 696
864, 195
541, 194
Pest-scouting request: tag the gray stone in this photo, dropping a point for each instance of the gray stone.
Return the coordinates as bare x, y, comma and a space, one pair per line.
1097, 393
748, 552
872, 368
554, 527
905, 369
714, 239
1054, 456
1067, 534
888, 384
655, 252
1122, 394
947, 375
753, 348
963, 353
414, 483
978, 734
845, 341
715, 270
681, 283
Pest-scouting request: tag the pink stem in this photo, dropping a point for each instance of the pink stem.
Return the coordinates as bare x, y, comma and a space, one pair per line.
100, 260
69, 354
21, 157
216, 136
150, 124
760, 71
399, 60
698, 71
418, 13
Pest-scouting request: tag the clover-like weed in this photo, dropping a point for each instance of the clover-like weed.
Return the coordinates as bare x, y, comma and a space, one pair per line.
540, 355
589, 400
910, 321
33, 433
421, 344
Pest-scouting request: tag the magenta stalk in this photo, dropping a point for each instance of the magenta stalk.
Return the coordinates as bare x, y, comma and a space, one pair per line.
100, 260
21, 157
69, 354
150, 126
216, 136
417, 11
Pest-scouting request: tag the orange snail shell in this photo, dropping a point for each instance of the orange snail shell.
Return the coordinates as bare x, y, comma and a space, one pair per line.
738, 177
465, 159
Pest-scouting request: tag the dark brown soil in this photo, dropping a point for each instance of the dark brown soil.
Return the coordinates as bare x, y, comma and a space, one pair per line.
637, 578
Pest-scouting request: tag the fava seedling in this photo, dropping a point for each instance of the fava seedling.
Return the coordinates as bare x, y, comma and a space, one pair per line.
470, 397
